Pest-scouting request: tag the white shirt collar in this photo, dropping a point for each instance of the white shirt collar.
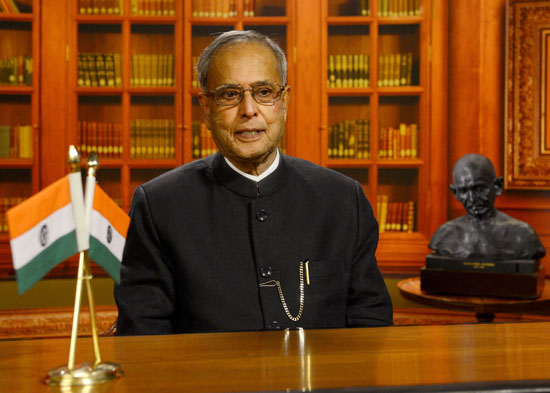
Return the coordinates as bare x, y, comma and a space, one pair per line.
261, 176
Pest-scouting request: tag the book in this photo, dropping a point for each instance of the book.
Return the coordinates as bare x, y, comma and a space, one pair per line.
414, 140
170, 70
25, 142
100, 70
5, 141
154, 70
172, 136
409, 69
405, 217
338, 70
118, 69
410, 218
364, 8
331, 81
110, 69
383, 213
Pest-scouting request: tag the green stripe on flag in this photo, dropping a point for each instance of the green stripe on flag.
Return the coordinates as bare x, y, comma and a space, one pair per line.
40, 265
105, 258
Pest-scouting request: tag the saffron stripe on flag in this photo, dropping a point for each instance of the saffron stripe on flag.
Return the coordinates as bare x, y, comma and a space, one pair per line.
32, 211
108, 228
110, 210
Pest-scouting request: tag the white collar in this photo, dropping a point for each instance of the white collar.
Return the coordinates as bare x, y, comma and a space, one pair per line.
261, 176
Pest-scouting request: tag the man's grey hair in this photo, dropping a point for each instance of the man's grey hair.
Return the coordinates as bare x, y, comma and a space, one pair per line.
238, 37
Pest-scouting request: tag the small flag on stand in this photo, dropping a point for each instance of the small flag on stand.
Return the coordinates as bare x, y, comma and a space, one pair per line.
43, 230
53, 225
108, 228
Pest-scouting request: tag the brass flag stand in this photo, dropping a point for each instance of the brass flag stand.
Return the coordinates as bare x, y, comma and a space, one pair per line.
98, 371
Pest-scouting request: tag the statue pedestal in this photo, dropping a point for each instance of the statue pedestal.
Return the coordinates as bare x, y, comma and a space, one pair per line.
474, 283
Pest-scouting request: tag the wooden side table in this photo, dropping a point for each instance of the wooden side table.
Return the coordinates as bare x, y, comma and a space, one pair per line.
484, 307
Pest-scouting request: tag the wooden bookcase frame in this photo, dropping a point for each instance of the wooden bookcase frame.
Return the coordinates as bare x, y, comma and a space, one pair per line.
29, 167
398, 252
55, 104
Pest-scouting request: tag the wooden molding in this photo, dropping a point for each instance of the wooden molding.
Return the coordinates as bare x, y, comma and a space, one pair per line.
52, 322
527, 161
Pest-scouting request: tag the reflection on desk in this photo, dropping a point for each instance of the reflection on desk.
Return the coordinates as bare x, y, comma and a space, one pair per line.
296, 360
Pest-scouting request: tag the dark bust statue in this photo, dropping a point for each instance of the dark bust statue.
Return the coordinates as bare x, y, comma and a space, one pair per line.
484, 232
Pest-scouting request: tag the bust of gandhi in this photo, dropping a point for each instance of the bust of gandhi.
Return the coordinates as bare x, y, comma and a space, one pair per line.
484, 232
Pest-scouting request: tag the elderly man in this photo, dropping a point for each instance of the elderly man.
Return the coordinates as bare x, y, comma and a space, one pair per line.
249, 239
484, 232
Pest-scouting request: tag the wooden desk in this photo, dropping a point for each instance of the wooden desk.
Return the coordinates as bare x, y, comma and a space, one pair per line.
484, 307
294, 360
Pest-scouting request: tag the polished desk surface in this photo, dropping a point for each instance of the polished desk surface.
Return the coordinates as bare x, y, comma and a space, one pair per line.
295, 360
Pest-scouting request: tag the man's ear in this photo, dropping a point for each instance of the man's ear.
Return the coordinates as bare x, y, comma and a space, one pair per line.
453, 189
498, 185
205, 106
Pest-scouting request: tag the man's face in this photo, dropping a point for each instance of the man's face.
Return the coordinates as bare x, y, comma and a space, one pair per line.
475, 188
248, 132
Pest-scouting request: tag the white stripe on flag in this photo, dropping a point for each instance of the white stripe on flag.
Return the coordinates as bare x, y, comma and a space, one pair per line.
112, 239
31, 243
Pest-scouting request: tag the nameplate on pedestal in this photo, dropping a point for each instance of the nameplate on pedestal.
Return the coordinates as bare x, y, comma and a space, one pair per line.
523, 266
490, 284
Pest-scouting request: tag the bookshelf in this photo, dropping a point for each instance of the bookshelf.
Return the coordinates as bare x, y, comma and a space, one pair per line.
125, 112
202, 22
130, 117
376, 115
150, 112
19, 108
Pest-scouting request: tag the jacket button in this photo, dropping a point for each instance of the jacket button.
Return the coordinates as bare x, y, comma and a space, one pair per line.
274, 325
266, 271
262, 215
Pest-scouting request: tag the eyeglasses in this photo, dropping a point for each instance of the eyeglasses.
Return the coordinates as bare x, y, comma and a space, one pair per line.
231, 95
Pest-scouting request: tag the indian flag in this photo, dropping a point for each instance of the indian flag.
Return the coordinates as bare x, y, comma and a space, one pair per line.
108, 228
43, 230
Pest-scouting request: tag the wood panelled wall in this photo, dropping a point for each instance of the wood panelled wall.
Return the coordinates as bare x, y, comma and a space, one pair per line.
476, 91
475, 96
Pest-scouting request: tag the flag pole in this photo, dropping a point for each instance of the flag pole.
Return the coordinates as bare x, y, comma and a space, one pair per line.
87, 373
92, 165
73, 160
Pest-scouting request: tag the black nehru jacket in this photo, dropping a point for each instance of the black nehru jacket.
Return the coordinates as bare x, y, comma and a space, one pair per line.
203, 237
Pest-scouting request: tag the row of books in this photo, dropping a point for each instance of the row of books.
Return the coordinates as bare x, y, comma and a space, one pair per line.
398, 143
395, 69
16, 71
152, 138
349, 139
14, 7
104, 138
99, 70
348, 70
7, 203
354, 7
203, 144
154, 70
153, 7
221, 8
397, 8
100, 7
194, 81
395, 216
16, 141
